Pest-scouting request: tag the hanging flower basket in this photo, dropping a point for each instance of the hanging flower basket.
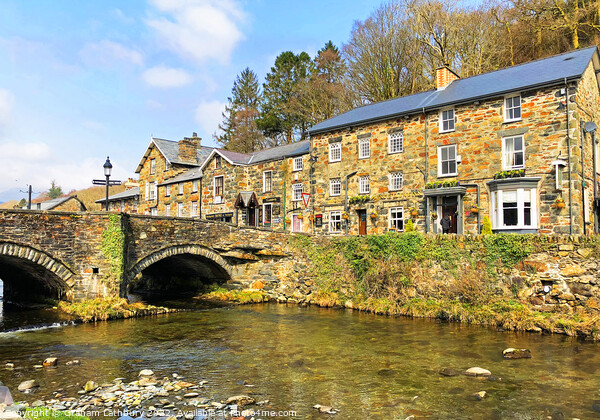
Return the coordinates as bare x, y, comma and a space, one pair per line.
374, 215
344, 215
287, 220
414, 212
300, 217
434, 216
474, 209
559, 203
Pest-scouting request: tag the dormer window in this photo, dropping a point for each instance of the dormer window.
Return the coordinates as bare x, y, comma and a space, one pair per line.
512, 108
218, 162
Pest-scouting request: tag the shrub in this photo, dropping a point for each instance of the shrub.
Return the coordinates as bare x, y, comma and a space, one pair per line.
486, 228
410, 226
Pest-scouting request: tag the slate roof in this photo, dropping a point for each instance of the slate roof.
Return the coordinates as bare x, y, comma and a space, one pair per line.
122, 195
170, 150
287, 150
195, 173
51, 204
545, 72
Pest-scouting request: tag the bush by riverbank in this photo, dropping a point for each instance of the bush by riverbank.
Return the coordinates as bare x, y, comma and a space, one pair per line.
102, 309
466, 279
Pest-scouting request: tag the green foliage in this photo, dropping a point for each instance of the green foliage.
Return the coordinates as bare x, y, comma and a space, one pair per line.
236, 296
442, 184
410, 226
113, 247
514, 173
359, 199
101, 309
55, 191
486, 227
508, 249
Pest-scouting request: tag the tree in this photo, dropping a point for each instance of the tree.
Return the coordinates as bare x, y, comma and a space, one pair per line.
55, 191
21, 204
281, 118
240, 132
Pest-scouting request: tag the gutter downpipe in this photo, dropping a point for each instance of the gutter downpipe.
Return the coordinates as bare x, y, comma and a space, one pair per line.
583, 203
569, 159
426, 174
595, 165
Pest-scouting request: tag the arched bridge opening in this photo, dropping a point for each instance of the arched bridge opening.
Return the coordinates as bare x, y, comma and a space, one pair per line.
30, 276
176, 272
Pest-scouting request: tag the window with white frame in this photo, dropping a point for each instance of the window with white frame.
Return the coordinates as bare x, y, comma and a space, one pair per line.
168, 190
396, 181
195, 185
514, 208
152, 190
396, 142
335, 187
180, 188
154, 211
396, 218
335, 152
147, 195
364, 148
218, 162
335, 221
267, 181
296, 192
447, 160
179, 209
194, 209
446, 120
512, 108
218, 184
168, 210
298, 165
364, 185
152, 166
513, 151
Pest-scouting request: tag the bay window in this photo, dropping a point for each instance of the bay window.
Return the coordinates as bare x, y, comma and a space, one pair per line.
514, 208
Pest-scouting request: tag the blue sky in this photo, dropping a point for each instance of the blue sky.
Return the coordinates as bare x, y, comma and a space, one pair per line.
80, 80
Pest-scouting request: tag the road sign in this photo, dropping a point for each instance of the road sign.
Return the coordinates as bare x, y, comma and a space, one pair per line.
305, 199
103, 182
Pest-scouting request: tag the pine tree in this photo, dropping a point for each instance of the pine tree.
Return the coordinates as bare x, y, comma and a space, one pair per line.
239, 129
55, 191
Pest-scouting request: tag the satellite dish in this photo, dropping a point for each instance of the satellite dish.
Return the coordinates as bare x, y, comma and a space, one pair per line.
590, 127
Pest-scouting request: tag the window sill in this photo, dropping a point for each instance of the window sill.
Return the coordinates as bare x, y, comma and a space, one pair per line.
447, 175
334, 161
364, 157
447, 131
395, 153
512, 121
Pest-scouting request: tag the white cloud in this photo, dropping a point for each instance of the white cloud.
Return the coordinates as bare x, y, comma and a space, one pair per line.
7, 101
28, 152
165, 77
209, 115
108, 54
199, 29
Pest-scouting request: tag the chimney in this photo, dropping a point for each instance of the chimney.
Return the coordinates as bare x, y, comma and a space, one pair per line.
444, 76
188, 148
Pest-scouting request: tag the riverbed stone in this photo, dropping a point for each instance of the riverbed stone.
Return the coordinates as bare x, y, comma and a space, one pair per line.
512, 353
50, 362
146, 372
25, 385
477, 371
449, 372
90, 386
479, 395
240, 400
73, 363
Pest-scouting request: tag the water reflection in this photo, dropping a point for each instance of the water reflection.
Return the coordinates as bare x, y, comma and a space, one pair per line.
367, 366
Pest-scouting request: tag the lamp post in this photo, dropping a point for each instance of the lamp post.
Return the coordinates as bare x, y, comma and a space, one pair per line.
107, 171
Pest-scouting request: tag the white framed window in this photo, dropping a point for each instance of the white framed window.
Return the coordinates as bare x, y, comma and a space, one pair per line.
179, 209
558, 172
512, 108
298, 164
218, 162
180, 188
396, 181
297, 192
447, 160
152, 166
335, 152
154, 211
194, 209
396, 142
364, 148
168, 190
335, 187
514, 208
364, 185
513, 152
396, 218
147, 195
267, 214
218, 184
168, 210
267, 181
195, 185
152, 190
335, 221
447, 120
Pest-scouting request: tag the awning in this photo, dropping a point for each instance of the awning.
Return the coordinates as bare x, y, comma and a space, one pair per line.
246, 199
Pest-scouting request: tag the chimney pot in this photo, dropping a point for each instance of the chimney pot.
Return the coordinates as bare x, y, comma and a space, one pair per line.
444, 76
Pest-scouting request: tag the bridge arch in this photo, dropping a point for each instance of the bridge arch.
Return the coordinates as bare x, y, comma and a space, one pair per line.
27, 271
200, 263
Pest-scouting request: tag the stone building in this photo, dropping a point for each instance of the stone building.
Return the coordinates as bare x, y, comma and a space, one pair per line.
512, 145
124, 202
70, 203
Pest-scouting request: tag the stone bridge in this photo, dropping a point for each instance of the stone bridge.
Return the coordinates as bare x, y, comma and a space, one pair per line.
76, 256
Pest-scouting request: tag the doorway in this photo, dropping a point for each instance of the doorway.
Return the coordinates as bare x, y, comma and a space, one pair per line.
362, 221
296, 223
448, 206
251, 216
267, 215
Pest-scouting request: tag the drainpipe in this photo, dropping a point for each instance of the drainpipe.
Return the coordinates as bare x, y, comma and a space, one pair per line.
569, 159
284, 195
478, 204
583, 204
350, 175
595, 165
312, 160
200, 199
426, 173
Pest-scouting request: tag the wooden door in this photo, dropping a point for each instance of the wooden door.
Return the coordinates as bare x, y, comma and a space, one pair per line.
362, 222
450, 210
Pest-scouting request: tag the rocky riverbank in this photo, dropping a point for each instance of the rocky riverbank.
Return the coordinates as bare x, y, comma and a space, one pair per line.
103, 309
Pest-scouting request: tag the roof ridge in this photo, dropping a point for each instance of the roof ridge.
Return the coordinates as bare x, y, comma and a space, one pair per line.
281, 145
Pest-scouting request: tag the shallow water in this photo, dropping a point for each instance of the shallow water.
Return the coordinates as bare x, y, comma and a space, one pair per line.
366, 366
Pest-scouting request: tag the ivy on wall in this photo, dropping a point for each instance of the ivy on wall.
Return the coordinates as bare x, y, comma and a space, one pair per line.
113, 242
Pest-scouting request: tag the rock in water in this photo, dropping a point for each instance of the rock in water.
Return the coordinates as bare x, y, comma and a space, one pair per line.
146, 372
24, 386
73, 362
511, 353
449, 372
479, 395
240, 400
50, 362
477, 371
90, 386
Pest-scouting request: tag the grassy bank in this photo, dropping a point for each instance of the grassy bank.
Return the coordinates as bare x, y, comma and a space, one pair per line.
452, 278
234, 296
102, 309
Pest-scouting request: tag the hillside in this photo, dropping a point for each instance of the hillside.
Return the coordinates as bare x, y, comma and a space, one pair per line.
88, 196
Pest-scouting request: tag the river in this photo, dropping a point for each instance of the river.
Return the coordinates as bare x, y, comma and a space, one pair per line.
367, 366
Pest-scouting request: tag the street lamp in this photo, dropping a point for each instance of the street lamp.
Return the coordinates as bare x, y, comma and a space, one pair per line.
107, 171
